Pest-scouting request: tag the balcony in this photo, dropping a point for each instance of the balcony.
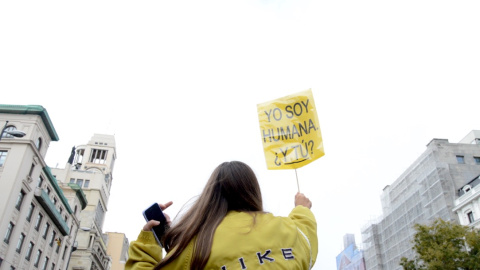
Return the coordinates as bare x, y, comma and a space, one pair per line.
52, 212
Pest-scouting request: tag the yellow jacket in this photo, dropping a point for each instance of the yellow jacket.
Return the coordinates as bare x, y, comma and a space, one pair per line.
240, 242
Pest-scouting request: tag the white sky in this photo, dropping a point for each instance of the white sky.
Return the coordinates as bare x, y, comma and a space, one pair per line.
177, 82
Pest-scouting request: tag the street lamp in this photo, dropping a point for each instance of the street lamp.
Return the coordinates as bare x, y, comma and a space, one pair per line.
14, 133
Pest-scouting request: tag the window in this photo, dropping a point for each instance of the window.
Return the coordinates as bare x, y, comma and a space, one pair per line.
59, 243
40, 182
64, 253
38, 143
29, 251
45, 230
3, 156
37, 258
31, 170
80, 182
477, 160
87, 183
20, 242
9, 128
8, 234
30, 212
52, 239
98, 156
461, 159
12, 267
20, 197
48, 191
470, 217
99, 214
39, 221
53, 267
1, 260
72, 180
45, 262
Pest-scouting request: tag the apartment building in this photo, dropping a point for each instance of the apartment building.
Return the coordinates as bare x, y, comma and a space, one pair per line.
90, 169
439, 184
117, 249
38, 223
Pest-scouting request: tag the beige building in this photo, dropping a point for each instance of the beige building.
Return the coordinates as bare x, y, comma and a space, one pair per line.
467, 205
90, 168
38, 223
117, 249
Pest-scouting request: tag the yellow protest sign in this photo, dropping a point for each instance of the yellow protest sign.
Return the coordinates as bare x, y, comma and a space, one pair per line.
290, 131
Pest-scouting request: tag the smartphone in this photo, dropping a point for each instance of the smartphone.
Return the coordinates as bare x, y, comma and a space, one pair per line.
155, 212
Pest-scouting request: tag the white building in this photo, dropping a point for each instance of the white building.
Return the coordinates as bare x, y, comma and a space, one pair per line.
430, 188
37, 223
90, 169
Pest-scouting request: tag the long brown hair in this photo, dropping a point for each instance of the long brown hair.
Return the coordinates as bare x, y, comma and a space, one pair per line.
232, 186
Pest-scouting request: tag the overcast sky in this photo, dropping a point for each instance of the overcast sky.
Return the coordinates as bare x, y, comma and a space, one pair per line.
177, 83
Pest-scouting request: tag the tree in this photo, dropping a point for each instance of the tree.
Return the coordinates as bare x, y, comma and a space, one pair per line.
444, 246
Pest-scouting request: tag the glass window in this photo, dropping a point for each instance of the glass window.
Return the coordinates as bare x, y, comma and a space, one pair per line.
98, 156
3, 156
53, 267
72, 180
20, 242
64, 253
40, 181
38, 143
461, 159
477, 160
39, 221
30, 212
37, 258
20, 197
80, 182
45, 262
29, 251
52, 239
59, 243
470, 217
87, 183
31, 170
8, 234
99, 214
45, 230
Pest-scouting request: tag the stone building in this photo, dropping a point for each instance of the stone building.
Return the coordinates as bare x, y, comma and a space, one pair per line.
430, 188
117, 249
89, 168
38, 223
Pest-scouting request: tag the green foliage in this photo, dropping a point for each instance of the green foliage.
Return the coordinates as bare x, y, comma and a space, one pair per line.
444, 246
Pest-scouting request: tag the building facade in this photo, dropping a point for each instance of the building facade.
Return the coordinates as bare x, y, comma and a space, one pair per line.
37, 222
351, 258
117, 249
427, 190
89, 168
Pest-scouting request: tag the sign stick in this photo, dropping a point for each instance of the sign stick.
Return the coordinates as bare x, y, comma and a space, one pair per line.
298, 186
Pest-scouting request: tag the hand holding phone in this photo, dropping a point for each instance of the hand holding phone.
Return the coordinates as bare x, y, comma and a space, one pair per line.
154, 212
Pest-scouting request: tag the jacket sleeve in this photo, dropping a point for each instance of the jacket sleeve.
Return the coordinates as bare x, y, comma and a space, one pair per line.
306, 223
144, 253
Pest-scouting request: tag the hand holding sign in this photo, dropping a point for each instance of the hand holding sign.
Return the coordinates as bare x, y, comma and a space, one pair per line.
290, 131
